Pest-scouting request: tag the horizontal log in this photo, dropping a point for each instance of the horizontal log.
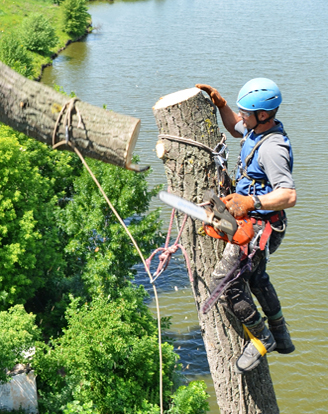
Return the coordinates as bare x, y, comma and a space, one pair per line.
33, 108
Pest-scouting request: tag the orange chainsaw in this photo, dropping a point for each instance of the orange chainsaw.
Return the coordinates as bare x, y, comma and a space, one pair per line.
217, 221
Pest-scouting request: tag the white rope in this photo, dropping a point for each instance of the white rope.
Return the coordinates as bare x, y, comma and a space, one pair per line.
147, 270
70, 106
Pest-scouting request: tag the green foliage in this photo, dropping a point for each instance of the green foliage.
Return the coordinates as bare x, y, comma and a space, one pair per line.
109, 354
58, 235
17, 334
75, 407
32, 180
76, 17
148, 408
190, 399
14, 54
98, 249
37, 33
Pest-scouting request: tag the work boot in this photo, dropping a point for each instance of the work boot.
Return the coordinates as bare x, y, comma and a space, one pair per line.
281, 335
251, 357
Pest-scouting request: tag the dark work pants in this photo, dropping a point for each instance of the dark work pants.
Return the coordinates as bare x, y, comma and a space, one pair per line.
238, 295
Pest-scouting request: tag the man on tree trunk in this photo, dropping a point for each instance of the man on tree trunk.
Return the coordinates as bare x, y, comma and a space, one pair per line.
264, 189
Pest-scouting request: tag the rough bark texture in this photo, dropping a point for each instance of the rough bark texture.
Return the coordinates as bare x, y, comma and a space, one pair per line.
190, 171
33, 108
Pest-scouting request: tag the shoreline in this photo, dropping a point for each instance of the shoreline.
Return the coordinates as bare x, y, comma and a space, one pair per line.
55, 55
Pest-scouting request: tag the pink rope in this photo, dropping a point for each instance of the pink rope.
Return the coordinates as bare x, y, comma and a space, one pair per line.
167, 251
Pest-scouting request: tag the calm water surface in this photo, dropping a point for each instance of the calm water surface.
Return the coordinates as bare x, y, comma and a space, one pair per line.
143, 50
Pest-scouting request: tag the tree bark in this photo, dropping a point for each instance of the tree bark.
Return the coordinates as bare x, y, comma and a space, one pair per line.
190, 171
33, 108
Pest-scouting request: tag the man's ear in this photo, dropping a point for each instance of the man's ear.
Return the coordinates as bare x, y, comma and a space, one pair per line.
262, 116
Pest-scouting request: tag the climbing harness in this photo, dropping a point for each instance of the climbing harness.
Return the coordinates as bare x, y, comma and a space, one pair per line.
243, 170
70, 105
268, 226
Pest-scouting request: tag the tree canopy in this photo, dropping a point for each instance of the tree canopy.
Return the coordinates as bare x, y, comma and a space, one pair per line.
66, 258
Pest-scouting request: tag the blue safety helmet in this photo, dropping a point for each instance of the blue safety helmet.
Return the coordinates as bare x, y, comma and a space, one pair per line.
259, 94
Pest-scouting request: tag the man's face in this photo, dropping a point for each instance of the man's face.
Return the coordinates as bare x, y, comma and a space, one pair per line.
249, 118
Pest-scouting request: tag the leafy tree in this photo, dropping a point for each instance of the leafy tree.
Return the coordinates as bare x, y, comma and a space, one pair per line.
190, 400
108, 354
14, 54
98, 249
18, 333
32, 180
58, 235
37, 33
76, 17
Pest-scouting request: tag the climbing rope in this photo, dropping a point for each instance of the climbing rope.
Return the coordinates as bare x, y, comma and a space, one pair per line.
70, 105
167, 251
194, 143
220, 155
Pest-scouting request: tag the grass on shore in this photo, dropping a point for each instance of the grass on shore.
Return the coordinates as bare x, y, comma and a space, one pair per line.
12, 13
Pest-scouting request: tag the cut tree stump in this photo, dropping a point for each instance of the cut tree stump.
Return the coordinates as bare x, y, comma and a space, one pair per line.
190, 171
33, 108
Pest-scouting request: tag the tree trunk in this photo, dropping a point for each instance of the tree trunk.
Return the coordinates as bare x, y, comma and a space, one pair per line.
33, 108
190, 171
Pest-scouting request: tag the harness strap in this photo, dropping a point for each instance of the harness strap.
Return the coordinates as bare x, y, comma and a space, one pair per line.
265, 235
256, 342
267, 226
249, 157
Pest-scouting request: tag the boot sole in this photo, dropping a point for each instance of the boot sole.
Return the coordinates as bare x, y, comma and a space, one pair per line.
285, 350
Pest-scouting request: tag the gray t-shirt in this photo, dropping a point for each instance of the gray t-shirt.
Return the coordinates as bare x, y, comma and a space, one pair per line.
274, 158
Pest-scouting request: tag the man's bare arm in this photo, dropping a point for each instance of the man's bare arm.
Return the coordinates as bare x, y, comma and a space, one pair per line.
230, 119
278, 199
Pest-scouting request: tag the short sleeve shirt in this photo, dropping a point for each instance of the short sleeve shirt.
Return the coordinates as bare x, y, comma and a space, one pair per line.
274, 157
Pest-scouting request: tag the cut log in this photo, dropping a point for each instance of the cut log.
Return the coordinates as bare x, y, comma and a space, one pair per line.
33, 108
190, 171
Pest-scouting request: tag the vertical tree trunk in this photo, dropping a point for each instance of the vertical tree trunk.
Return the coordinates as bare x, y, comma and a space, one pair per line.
190, 171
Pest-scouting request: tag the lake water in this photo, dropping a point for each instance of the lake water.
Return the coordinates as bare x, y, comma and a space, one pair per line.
145, 49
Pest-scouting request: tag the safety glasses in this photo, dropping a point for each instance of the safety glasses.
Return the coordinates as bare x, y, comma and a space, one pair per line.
244, 114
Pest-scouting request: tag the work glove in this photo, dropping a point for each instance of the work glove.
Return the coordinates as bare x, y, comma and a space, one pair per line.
238, 205
214, 95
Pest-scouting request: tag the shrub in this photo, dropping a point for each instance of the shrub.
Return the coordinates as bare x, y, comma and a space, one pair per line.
108, 355
37, 34
31, 180
17, 334
14, 54
75, 407
190, 399
76, 17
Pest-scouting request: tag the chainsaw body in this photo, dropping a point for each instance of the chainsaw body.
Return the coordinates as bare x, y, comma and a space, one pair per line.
238, 231
217, 221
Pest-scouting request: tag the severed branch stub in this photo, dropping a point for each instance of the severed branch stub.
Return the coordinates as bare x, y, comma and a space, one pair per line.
33, 108
182, 118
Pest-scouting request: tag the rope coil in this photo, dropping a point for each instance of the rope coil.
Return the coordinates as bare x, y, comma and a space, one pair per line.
167, 251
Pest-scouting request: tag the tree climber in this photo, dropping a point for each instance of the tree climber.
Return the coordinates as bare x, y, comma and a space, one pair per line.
264, 189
